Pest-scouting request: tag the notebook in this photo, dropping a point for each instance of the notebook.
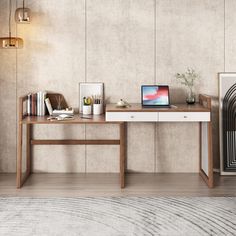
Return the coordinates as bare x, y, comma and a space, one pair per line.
155, 96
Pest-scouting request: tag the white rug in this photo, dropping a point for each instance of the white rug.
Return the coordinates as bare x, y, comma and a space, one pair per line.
108, 216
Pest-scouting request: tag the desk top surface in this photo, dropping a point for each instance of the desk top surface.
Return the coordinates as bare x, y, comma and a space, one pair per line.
100, 119
137, 107
96, 119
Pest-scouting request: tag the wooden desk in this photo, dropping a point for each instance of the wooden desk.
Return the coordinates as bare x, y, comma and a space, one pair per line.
179, 113
29, 121
182, 113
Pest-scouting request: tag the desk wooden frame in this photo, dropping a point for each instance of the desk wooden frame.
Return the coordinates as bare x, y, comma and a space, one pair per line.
205, 127
29, 121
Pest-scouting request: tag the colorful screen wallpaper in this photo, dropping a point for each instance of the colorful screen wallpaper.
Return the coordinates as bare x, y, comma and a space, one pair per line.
155, 95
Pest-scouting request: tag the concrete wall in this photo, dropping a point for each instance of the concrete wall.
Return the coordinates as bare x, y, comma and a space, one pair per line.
123, 43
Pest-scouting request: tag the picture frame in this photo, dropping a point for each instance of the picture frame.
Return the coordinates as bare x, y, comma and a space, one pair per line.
89, 89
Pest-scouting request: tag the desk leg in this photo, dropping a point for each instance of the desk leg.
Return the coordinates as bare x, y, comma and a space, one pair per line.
19, 157
122, 154
206, 158
28, 149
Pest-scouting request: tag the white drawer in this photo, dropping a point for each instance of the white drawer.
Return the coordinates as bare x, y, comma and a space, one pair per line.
184, 116
132, 116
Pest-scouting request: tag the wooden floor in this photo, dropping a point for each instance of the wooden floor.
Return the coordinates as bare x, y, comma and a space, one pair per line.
75, 185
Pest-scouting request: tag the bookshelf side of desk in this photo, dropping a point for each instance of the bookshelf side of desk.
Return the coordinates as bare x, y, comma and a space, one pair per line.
206, 157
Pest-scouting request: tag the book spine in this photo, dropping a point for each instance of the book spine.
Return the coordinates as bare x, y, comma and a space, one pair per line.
43, 103
38, 103
41, 111
31, 105
29, 112
34, 104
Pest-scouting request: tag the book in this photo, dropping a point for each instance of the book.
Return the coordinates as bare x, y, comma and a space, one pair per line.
49, 106
34, 104
29, 112
41, 111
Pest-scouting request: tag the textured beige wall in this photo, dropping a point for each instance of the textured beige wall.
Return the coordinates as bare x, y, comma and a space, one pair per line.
8, 98
123, 43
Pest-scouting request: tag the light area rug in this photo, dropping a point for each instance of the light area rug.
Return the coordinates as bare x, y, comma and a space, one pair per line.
108, 216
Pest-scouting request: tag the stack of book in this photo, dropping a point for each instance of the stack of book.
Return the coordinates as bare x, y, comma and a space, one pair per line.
36, 104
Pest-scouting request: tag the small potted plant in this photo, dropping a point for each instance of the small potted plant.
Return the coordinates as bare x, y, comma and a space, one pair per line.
87, 106
188, 79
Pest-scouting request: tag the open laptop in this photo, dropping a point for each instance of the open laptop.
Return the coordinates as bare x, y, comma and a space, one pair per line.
155, 96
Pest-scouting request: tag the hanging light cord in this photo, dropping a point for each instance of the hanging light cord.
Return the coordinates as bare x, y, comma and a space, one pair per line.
10, 3
23, 9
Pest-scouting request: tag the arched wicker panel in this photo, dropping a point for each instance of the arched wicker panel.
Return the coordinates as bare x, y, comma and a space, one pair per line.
229, 129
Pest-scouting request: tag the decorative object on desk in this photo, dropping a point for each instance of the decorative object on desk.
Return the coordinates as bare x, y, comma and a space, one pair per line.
97, 109
59, 100
188, 79
67, 111
62, 104
86, 116
97, 105
89, 90
22, 15
227, 126
87, 106
61, 117
10, 42
121, 103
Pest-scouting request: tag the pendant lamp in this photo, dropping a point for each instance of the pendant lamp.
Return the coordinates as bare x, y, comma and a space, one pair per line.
10, 42
22, 15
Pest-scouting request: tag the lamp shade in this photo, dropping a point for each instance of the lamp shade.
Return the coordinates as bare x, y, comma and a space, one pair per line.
22, 15
11, 42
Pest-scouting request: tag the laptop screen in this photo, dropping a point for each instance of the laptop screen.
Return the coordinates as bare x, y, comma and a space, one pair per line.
155, 95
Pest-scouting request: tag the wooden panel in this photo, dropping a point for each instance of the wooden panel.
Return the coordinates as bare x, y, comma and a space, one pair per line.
122, 154
204, 148
206, 158
28, 148
96, 119
75, 142
137, 107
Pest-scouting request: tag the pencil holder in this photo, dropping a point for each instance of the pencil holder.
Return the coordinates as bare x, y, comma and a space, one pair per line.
97, 109
87, 109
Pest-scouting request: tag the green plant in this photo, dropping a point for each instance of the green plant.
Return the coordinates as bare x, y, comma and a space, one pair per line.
188, 78
87, 101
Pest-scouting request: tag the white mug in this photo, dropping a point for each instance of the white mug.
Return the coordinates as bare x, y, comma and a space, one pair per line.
87, 110
97, 109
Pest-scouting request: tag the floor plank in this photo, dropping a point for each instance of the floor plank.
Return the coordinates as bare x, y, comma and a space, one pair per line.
75, 185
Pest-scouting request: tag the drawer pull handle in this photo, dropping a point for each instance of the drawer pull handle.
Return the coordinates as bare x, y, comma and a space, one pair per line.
131, 116
185, 117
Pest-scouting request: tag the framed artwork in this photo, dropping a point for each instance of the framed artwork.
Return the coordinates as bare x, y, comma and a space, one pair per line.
90, 90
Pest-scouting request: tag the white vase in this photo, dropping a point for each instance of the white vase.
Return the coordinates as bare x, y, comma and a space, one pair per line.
87, 110
97, 109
